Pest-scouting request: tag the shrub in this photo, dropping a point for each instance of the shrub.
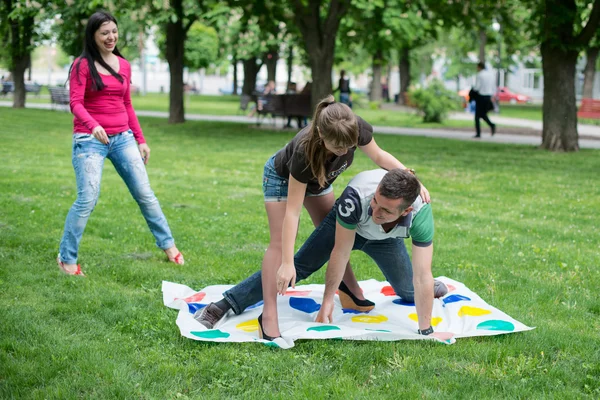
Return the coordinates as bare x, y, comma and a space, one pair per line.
434, 101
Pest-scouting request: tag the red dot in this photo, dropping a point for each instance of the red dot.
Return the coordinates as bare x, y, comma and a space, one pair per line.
195, 297
388, 291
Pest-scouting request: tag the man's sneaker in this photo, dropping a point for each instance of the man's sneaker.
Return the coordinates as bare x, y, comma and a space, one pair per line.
439, 289
209, 315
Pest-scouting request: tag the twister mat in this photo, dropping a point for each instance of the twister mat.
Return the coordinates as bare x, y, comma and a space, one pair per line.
461, 312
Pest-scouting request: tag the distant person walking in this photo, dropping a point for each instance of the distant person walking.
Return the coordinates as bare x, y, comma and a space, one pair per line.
485, 88
105, 126
344, 89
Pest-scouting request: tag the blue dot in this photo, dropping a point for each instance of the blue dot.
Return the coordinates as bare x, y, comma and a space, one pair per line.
455, 298
403, 302
193, 307
304, 304
260, 303
353, 311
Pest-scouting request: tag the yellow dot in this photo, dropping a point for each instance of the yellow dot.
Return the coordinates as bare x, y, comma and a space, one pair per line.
370, 319
434, 321
472, 311
248, 326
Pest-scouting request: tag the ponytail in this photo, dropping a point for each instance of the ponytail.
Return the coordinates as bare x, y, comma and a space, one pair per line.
334, 122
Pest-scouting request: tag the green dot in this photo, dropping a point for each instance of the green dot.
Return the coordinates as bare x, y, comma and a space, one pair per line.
211, 334
324, 328
377, 330
496, 325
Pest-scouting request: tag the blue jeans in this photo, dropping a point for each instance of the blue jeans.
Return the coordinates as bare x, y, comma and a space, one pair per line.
275, 188
88, 161
390, 256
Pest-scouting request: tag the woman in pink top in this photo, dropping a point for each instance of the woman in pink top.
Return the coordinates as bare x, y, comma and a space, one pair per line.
105, 126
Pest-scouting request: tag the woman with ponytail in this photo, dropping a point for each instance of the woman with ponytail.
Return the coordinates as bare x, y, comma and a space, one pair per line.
105, 126
302, 173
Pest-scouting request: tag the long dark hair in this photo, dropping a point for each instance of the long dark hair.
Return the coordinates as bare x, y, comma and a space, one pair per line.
91, 53
337, 124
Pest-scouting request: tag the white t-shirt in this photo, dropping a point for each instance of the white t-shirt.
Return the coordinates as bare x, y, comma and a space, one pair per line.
485, 83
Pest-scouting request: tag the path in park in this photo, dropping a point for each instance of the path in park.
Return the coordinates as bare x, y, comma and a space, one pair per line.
590, 133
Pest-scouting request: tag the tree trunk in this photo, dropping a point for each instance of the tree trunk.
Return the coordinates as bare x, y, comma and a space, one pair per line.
20, 56
404, 74
290, 65
176, 36
250, 71
389, 81
321, 66
589, 72
482, 43
376, 83
560, 108
270, 60
319, 30
18, 73
235, 76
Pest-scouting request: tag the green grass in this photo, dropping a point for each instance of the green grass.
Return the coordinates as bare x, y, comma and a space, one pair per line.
229, 105
517, 225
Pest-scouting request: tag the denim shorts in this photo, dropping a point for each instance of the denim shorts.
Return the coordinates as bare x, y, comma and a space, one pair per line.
275, 187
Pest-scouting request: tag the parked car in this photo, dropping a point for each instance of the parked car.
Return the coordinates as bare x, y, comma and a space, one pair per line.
504, 95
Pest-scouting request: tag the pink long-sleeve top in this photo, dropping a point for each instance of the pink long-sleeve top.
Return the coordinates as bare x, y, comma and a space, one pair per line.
110, 107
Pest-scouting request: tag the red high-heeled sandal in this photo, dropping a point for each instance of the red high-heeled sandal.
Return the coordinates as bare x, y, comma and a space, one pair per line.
61, 265
178, 259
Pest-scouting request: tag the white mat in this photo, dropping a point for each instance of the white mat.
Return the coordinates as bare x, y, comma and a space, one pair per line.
461, 312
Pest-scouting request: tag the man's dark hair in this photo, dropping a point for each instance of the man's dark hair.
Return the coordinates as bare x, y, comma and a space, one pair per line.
400, 184
481, 65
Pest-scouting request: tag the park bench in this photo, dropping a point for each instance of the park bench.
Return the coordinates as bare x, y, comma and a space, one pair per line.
9, 87
283, 105
589, 108
59, 96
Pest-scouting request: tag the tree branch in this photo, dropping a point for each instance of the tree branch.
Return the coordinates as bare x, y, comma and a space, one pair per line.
592, 26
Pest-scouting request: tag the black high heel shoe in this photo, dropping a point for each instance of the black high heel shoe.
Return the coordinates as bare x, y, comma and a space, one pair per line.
350, 301
261, 331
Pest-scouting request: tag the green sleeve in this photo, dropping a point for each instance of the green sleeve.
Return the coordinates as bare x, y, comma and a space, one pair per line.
421, 229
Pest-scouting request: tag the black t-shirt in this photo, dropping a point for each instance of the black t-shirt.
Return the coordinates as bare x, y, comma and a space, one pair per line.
291, 159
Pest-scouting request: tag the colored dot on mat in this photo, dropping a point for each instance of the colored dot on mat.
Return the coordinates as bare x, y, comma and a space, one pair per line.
323, 328
403, 302
377, 330
472, 311
496, 325
298, 292
434, 321
353, 311
455, 298
211, 334
193, 307
248, 326
260, 303
370, 319
388, 291
195, 298
451, 288
306, 305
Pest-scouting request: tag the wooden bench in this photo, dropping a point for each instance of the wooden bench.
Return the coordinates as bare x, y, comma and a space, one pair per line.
284, 105
589, 108
9, 87
59, 96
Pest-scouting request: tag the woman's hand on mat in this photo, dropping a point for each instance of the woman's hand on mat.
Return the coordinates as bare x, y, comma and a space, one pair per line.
425, 194
286, 276
443, 335
145, 152
325, 315
100, 134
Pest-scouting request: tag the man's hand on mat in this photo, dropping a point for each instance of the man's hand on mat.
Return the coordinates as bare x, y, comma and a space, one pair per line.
286, 276
442, 335
325, 315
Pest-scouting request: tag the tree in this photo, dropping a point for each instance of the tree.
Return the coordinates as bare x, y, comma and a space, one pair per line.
318, 22
590, 70
563, 31
20, 32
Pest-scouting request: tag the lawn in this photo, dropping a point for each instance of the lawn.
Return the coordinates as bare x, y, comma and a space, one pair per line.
229, 105
516, 224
